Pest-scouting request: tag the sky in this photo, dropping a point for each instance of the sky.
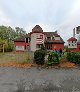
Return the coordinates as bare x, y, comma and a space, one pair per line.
51, 15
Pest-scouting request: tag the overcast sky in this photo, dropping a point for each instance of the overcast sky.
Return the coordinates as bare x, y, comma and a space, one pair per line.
51, 15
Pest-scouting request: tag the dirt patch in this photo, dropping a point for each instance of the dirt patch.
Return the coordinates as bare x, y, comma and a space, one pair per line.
67, 65
13, 64
29, 65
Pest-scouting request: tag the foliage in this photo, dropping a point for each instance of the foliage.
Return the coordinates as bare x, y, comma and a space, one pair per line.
73, 57
7, 35
53, 58
43, 48
20, 31
9, 47
1, 44
39, 56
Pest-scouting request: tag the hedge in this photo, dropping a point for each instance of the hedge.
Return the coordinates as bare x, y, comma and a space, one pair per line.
73, 57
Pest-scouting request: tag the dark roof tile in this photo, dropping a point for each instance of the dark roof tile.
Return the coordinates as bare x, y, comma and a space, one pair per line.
72, 39
38, 29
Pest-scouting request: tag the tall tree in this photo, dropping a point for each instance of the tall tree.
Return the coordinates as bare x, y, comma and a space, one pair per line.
7, 33
20, 31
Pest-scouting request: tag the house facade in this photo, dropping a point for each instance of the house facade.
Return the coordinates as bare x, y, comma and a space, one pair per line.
73, 44
35, 39
22, 44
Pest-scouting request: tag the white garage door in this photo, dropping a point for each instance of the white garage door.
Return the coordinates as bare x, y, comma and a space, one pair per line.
20, 48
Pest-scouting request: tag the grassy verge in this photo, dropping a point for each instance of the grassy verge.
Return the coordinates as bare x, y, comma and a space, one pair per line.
17, 57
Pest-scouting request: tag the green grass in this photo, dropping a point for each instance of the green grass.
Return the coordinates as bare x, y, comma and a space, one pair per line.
18, 57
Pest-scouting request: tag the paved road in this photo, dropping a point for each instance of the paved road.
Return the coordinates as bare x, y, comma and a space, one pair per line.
39, 80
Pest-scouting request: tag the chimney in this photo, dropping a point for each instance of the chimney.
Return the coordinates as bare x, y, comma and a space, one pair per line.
74, 32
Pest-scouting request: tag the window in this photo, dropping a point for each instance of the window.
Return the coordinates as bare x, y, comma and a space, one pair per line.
72, 44
69, 44
48, 38
26, 40
49, 46
57, 38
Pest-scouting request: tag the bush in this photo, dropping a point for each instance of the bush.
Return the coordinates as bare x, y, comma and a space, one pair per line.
53, 58
9, 47
73, 57
39, 57
43, 48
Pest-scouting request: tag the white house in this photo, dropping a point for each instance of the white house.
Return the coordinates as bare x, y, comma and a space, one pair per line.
72, 42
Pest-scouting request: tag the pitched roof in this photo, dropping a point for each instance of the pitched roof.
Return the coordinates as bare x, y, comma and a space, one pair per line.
20, 39
53, 34
37, 29
49, 34
55, 41
72, 39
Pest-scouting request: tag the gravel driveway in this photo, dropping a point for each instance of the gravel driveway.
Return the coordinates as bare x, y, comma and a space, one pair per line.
39, 80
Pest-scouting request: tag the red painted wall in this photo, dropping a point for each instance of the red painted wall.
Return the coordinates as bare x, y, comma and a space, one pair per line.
78, 48
57, 46
21, 44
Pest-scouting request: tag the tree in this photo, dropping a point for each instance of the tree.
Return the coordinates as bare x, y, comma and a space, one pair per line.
7, 33
20, 31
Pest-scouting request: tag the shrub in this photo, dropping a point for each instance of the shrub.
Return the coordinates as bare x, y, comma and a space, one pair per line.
43, 48
9, 47
39, 57
73, 57
53, 58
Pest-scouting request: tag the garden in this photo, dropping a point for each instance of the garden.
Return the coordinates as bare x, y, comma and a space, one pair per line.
41, 58
56, 59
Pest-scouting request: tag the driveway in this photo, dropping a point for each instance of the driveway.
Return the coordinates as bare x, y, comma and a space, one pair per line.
39, 80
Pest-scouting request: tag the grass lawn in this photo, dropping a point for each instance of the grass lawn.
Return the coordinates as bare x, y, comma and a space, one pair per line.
15, 57
25, 59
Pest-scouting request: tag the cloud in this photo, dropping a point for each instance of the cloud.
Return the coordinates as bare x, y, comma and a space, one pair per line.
4, 20
72, 20
51, 15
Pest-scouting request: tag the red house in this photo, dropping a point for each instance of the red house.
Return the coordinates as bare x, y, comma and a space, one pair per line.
22, 43
35, 39
53, 41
